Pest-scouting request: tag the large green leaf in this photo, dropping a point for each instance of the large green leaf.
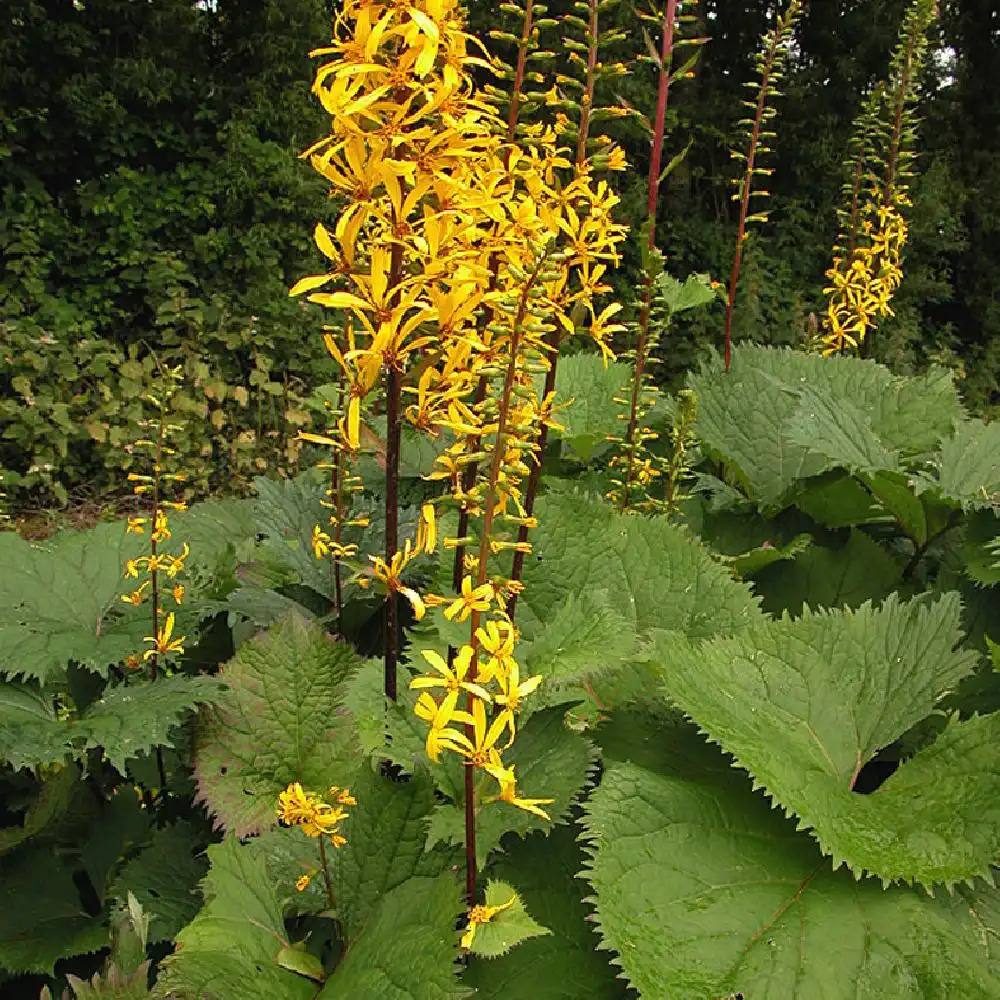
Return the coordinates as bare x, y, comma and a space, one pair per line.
543, 870
407, 948
31, 735
230, 948
969, 465
283, 721
819, 577
703, 891
653, 573
563, 652
164, 878
56, 796
589, 388
386, 833
42, 918
840, 431
61, 601
128, 720
804, 705
776, 416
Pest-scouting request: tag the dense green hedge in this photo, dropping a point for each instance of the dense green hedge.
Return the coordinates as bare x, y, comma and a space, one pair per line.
150, 199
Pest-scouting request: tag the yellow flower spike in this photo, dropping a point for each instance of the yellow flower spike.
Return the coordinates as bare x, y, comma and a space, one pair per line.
482, 914
161, 529
472, 599
452, 678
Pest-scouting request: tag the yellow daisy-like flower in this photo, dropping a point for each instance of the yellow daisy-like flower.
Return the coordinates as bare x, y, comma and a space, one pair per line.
472, 599
452, 677
163, 644
508, 791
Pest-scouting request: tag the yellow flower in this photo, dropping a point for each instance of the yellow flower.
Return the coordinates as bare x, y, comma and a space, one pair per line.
439, 736
302, 882
135, 525
497, 638
390, 574
294, 804
481, 750
472, 599
162, 642
427, 530
482, 914
137, 596
178, 593
452, 678
508, 791
161, 528
321, 542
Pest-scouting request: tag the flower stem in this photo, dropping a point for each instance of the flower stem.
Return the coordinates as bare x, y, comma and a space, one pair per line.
734, 277
393, 433
326, 873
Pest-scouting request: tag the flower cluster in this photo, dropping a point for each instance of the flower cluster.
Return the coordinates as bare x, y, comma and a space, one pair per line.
467, 246
316, 817
862, 283
154, 439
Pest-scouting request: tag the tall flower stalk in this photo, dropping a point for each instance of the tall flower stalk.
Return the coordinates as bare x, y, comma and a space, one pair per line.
160, 568
633, 467
770, 61
867, 268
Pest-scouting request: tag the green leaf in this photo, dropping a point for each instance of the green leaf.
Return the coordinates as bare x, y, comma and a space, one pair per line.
804, 705
41, 916
859, 571
841, 432
296, 959
837, 500
703, 891
750, 416
55, 798
543, 869
589, 388
214, 528
230, 949
969, 465
30, 733
407, 949
164, 879
982, 561
61, 601
508, 927
563, 652
386, 832
894, 491
748, 563
287, 512
284, 721
128, 720
652, 572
